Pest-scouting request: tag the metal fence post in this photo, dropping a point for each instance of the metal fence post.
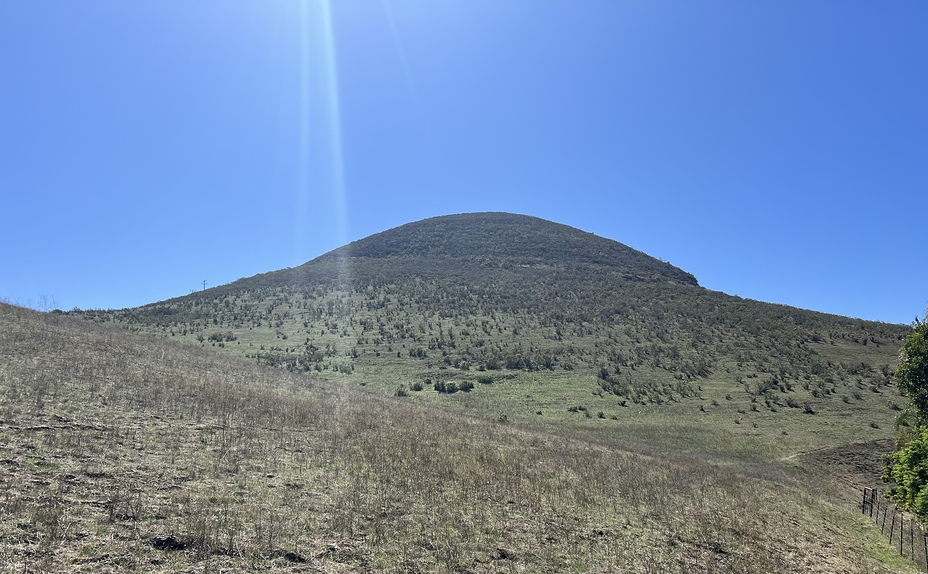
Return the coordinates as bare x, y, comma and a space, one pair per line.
901, 534
925, 544
912, 540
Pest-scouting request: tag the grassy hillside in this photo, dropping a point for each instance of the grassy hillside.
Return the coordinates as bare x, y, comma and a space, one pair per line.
515, 317
128, 452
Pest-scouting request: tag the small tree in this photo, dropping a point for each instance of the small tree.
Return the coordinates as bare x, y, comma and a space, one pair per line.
907, 467
912, 374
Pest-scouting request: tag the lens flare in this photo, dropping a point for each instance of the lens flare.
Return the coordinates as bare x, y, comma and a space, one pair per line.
321, 168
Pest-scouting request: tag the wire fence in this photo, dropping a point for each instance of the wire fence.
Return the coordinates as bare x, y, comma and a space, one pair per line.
906, 532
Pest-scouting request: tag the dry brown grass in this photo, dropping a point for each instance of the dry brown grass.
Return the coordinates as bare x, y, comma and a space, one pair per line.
128, 453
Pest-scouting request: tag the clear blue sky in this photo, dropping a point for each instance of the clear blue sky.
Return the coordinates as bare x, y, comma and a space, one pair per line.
777, 150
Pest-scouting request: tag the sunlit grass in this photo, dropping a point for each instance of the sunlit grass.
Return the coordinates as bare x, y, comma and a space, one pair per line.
125, 452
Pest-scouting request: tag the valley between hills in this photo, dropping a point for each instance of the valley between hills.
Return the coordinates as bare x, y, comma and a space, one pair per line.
472, 393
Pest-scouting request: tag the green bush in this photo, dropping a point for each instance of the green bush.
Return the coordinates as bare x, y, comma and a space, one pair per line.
912, 374
908, 469
908, 465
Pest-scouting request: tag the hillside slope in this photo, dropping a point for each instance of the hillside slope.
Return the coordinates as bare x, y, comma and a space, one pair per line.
123, 452
536, 320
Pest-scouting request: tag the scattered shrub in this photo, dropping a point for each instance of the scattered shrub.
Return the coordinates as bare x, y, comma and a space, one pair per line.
221, 337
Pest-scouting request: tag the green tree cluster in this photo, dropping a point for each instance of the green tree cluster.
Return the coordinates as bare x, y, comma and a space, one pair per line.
907, 467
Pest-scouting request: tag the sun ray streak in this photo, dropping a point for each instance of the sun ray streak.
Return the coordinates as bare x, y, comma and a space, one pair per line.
335, 134
322, 166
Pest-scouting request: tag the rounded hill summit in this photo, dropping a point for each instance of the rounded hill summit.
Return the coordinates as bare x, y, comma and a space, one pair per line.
494, 238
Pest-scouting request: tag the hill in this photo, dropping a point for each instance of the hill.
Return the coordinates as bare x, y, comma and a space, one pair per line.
463, 247
538, 321
128, 452
503, 239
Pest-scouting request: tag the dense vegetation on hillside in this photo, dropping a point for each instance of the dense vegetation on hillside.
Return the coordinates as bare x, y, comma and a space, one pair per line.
503, 239
486, 297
